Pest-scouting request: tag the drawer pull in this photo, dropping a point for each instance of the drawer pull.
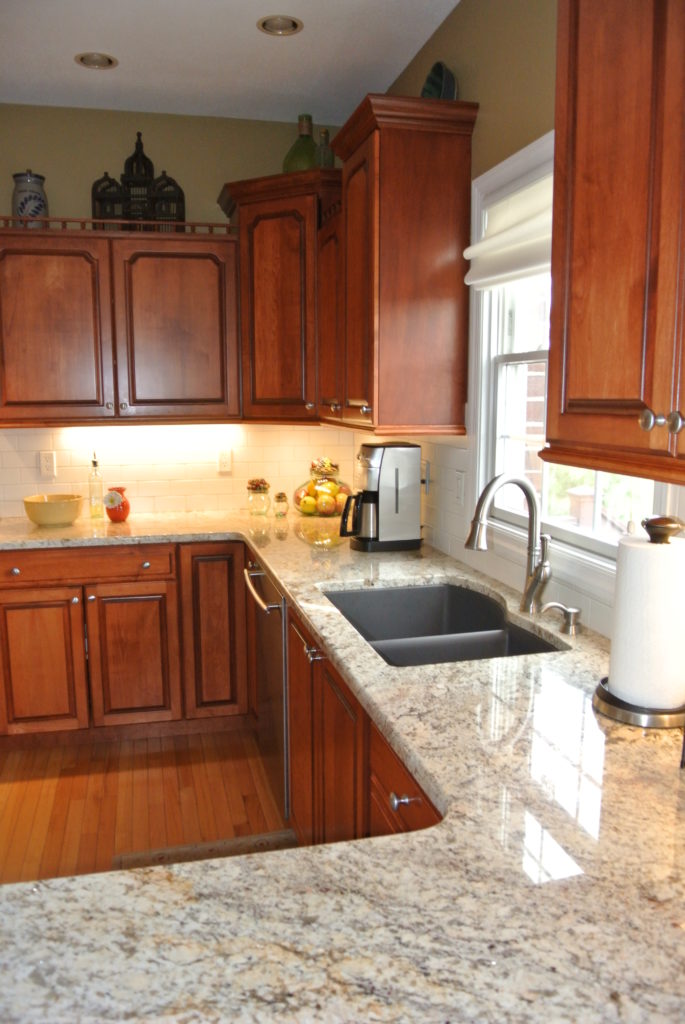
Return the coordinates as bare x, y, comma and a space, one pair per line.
123, 405
91, 597
309, 406
109, 405
15, 571
74, 600
401, 801
145, 565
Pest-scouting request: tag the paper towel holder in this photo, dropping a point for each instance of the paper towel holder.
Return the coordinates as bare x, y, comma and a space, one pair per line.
632, 714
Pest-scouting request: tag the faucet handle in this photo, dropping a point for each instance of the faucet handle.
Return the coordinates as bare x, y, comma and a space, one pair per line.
571, 624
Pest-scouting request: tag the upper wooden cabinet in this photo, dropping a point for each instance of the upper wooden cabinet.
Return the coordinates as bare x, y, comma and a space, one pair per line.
278, 220
93, 328
618, 247
406, 223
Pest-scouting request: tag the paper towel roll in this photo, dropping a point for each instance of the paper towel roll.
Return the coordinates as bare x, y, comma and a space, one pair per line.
647, 659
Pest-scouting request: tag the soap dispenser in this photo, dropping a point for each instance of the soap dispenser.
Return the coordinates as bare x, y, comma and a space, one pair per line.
95, 490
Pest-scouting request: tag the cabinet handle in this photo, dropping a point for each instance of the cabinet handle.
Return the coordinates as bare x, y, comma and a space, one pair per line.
335, 406
366, 409
74, 600
15, 571
123, 405
91, 597
109, 405
145, 565
401, 801
313, 654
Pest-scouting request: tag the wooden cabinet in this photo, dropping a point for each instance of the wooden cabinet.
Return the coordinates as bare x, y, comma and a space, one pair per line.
56, 357
214, 629
406, 222
330, 347
175, 304
278, 221
618, 248
122, 655
95, 328
43, 681
396, 801
342, 771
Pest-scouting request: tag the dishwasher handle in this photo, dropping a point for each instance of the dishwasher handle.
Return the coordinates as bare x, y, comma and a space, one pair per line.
249, 576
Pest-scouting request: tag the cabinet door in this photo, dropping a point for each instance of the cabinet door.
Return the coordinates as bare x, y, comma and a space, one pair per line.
278, 307
176, 323
360, 232
618, 240
330, 336
214, 629
396, 801
43, 684
56, 359
133, 652
301, 650
340, 727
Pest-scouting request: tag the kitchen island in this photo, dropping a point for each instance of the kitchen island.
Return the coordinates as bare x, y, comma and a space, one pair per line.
552, 890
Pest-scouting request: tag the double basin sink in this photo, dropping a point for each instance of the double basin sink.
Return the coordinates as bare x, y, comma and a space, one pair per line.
429, 624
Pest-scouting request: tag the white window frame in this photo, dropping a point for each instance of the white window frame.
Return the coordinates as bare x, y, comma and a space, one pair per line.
580, 564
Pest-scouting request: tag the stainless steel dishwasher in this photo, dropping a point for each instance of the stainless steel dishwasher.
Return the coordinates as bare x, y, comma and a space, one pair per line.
269, 668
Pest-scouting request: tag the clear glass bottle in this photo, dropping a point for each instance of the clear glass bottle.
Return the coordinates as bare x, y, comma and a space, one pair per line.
280, 505
95, 490
324, 153
258, 499
302, 154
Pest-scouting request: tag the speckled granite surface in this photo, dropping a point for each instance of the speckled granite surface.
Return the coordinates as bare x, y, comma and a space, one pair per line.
553, 890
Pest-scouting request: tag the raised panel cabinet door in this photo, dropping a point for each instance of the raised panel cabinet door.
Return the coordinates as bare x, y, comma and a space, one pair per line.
176, 323
56, 360
340, 766
278, 307
618, 247
43, 684
360, 258
214, 629
330, 321
133, 652
301, 649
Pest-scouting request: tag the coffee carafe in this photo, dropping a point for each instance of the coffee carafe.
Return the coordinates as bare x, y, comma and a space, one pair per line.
384, 513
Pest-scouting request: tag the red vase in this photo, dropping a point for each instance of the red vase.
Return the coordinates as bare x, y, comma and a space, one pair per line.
119, 513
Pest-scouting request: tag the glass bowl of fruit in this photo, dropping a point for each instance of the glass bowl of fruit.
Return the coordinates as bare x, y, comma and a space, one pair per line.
323, 494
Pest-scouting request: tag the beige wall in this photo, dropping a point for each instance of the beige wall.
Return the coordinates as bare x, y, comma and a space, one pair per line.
503, 55
74, 147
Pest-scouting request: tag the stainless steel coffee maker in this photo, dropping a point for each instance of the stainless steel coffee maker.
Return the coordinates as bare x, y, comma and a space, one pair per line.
386, 508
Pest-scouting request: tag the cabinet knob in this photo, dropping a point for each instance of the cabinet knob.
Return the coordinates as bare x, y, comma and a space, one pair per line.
366, 409
335, 406
313, 654
74, 600
401, 801
675, 422
309, 406
15, 571
145, 565
648, 419
91, 597
123, 405
109, 405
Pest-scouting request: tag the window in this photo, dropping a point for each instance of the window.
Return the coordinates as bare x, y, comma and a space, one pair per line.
510, 268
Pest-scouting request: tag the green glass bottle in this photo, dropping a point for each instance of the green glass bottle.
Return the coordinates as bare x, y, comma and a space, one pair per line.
302, 154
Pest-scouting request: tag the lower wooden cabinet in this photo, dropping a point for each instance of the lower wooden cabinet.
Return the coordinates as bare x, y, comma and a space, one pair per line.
344, 777
214, 629
43, 681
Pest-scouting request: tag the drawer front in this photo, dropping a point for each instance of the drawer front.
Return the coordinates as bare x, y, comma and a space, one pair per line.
388, 776
88, 564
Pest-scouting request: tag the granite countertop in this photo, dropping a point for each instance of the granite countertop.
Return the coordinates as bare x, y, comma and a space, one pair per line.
553, 889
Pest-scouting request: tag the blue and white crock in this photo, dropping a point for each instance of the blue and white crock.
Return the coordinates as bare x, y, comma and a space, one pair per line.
28, 198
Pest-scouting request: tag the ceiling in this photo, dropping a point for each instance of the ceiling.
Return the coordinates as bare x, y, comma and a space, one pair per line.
206, 57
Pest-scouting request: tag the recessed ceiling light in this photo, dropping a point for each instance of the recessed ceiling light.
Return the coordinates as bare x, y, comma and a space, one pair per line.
280, 25
96, 61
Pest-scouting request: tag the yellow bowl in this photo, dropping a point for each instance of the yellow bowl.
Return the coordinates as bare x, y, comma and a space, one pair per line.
53, 509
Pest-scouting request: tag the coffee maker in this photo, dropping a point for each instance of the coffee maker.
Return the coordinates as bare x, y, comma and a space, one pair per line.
386, 508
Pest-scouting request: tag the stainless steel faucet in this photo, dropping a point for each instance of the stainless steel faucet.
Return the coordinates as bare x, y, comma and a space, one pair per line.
538, 569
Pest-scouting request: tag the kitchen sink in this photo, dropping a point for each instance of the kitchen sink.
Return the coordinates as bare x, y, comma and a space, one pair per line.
427, 625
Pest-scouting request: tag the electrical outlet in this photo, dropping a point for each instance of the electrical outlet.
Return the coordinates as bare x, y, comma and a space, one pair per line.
48, 465
225, 462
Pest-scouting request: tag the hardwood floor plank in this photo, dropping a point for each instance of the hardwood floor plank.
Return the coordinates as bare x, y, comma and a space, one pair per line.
155, 795
230, 773
189, 813
140, 836
18, 817
68, 859
108, 812
123, 836
171, 794
267, 802
50, 770
92, 807
220, 820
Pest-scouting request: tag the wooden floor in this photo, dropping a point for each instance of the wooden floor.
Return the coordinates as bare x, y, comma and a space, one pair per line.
68, 810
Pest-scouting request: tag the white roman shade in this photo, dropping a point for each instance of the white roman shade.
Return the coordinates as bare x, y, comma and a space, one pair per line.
517, 238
